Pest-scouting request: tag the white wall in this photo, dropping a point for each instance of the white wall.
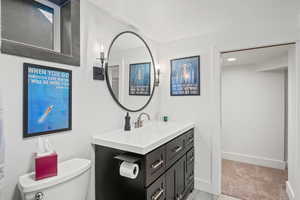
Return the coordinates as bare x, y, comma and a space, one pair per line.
297, 138
2, 151
253, 115
292, 123
94, 110
201, 109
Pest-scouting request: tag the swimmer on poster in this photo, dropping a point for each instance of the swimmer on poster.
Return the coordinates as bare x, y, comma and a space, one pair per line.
47, 112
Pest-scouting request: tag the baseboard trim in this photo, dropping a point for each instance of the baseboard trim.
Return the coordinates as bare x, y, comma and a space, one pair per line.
203, 185
261, 161
290, 191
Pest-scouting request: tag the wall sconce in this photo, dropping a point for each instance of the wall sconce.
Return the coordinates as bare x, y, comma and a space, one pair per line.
157, 75
99, 71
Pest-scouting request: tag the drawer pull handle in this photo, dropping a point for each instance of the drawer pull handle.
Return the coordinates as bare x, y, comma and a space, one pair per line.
157, 164
158, 194
177, 149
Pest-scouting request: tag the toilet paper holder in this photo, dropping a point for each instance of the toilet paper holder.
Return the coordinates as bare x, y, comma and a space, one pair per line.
131, 158
128, 165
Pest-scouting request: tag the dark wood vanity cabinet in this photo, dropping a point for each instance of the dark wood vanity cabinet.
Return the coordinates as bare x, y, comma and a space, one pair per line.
189, 171
175, 179
180, 178
166, 173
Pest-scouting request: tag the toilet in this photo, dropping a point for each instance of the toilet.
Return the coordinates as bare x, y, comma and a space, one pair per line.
71, 183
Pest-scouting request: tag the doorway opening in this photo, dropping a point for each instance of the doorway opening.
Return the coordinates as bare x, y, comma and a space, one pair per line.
254, 122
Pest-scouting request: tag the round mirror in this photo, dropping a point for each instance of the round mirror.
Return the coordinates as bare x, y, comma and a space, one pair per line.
130, 71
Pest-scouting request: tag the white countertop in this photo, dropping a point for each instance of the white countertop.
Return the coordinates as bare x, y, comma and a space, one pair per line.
142, 140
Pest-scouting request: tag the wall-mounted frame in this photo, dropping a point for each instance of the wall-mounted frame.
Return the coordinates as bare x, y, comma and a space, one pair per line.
140, 79
185, 76
42, 29
47, 100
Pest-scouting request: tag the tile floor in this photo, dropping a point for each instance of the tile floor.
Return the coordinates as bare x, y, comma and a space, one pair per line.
251, 182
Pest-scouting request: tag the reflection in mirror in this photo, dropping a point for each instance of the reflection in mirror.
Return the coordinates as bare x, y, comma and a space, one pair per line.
130, 71
40, 23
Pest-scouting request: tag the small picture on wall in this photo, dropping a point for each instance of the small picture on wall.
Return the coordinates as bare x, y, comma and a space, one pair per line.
139, 79
47, 103
185, 76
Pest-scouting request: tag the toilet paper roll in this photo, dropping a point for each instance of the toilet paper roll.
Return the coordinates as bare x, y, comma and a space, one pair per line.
129, 170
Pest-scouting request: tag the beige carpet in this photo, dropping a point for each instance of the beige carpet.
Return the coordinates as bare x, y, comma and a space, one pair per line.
251, 182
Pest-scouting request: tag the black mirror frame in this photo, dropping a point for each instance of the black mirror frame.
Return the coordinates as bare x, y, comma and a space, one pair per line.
107, 77
19, 49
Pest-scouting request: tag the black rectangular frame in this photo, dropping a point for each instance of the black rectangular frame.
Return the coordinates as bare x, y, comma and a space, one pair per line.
199, 84
149, 79
25, 100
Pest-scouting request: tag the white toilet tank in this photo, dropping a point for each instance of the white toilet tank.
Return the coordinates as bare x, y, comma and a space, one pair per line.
71, 183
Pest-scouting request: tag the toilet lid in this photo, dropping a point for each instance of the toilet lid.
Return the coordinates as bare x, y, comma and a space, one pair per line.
66, 171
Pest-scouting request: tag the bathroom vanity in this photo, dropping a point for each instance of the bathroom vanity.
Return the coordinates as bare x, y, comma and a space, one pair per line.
164, 153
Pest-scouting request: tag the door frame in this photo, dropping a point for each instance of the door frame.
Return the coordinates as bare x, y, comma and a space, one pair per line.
216, 157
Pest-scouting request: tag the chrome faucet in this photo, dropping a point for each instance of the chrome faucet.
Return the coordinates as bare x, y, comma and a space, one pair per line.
139, 122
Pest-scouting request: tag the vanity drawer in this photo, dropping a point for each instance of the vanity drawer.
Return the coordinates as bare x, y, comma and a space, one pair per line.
157, 191
155, 164
189, 139
189, 172
175, 149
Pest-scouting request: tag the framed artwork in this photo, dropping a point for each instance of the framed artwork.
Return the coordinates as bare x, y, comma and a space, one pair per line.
139, 79
185, 76
47, 100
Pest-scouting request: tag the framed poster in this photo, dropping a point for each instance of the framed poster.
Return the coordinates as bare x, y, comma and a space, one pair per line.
140, 79
47, 99
185, 76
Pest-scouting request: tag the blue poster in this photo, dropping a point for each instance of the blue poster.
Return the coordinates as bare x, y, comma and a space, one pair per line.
48, 100
139, 79
185, 76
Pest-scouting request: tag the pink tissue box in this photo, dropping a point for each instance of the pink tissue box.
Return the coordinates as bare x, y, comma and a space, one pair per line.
45, 166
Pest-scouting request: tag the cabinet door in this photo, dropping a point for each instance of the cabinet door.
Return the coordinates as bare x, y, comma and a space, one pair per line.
180, 178
189, 171
170, 184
